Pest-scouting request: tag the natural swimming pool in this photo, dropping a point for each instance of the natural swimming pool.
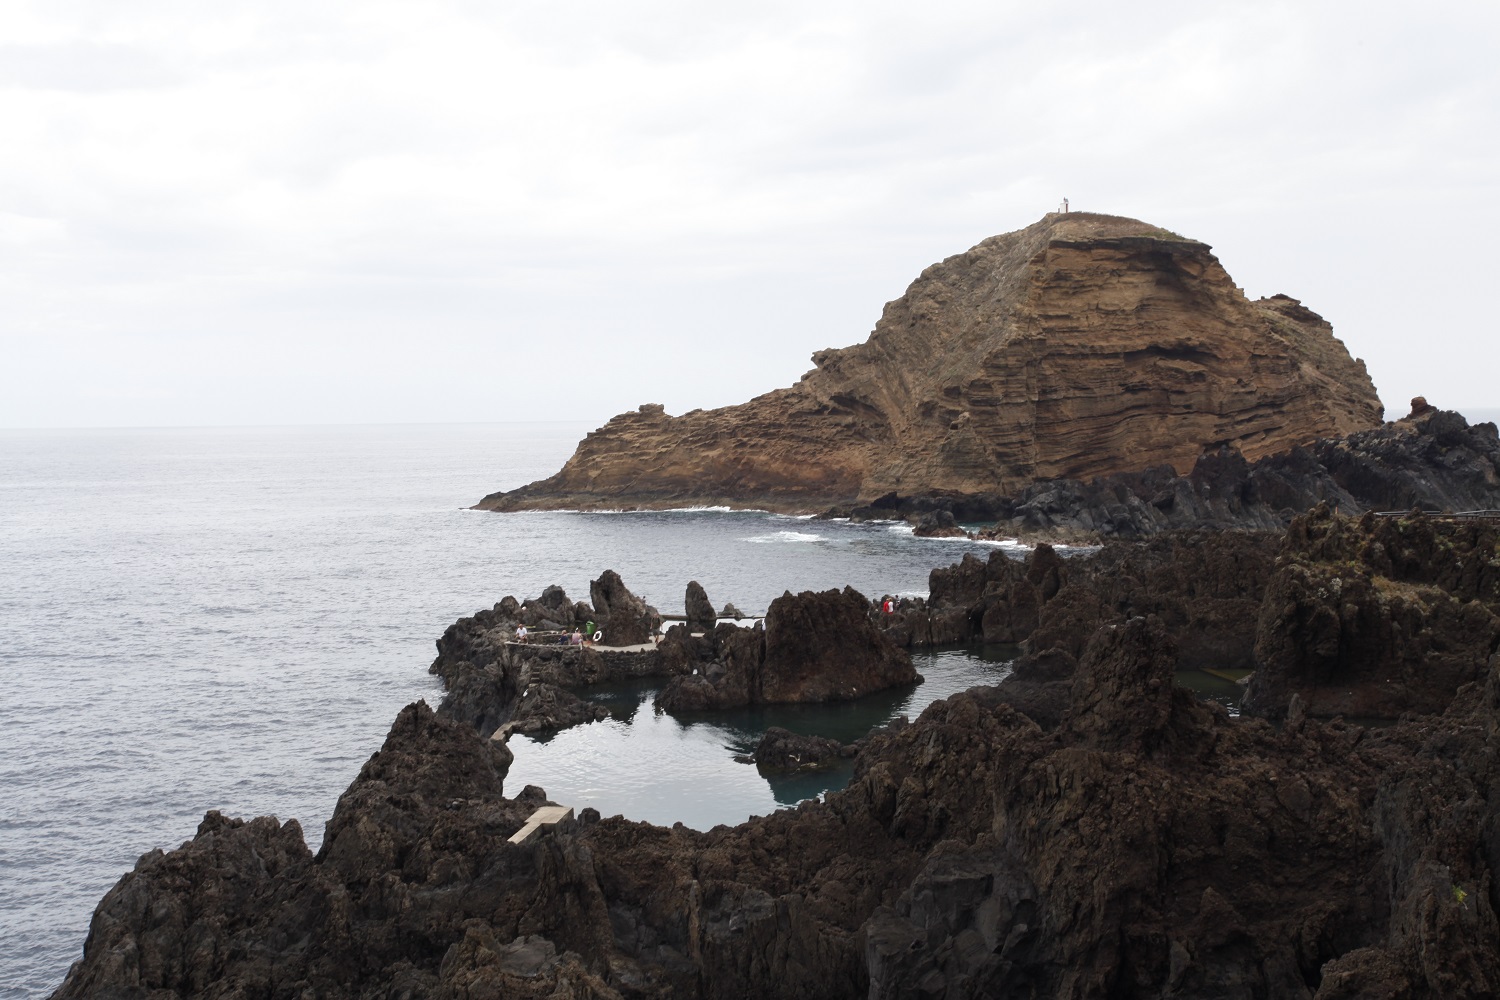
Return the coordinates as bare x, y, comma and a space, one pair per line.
647, 765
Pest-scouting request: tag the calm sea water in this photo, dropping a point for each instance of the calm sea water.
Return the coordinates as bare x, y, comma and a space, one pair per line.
230, 619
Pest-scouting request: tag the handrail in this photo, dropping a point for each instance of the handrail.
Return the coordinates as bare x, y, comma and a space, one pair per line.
1475, 514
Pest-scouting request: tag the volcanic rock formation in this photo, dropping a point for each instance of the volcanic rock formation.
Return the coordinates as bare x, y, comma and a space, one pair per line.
1080, 346
1371, 617
815, 647
1431, 459
1143, 844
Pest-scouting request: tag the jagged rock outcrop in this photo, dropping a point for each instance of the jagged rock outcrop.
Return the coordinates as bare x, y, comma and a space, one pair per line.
547, 708
1206, 588
814, 647
781, 751
699, 611
1147, 845
1080, 346
625, 619
1432, 459
492, 681
1369, 618
1377, 617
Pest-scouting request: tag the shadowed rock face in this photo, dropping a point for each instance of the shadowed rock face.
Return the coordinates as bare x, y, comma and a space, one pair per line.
1080, 346
701, 616
1368, 618
815, 647
1205, 587
1377, 617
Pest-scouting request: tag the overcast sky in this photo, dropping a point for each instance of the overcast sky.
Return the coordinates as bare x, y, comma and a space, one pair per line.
297, 211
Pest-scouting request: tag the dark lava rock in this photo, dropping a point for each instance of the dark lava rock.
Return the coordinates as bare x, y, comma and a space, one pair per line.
815, 647
700, 613
546, 708
720, 669
1082, 829
1432, 459
243, 908
625, 619
1206, 587
823, 647
1376, 617
780, 750
1147, 846
485, 672
552, 611
937, 524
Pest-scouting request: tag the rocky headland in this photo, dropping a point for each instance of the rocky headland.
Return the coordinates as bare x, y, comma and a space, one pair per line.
1085, 828
1081, 346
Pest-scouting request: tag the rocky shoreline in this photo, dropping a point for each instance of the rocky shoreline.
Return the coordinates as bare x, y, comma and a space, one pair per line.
1085, 828
1431, 460
810, 647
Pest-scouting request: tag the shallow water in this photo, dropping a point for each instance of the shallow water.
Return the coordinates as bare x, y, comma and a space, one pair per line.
1210, 687
683, 767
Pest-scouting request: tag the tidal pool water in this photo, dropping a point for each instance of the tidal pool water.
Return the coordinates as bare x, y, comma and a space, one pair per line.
648, 765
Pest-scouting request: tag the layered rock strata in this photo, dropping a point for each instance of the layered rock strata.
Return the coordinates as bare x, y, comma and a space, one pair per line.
1080, 346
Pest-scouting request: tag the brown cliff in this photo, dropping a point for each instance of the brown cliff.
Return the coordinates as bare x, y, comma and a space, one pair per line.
1080, 346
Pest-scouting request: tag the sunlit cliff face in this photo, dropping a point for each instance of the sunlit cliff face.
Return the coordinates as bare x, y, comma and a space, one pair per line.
1080, 346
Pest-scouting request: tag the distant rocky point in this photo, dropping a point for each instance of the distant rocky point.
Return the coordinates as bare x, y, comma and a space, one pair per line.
1081, 346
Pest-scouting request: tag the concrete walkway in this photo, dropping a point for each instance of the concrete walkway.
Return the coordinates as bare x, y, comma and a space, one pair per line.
638, 648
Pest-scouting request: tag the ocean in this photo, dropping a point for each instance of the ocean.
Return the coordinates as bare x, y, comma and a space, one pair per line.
230, 618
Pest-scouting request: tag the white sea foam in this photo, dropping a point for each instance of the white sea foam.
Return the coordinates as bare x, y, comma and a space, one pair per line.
643, 510
784, 536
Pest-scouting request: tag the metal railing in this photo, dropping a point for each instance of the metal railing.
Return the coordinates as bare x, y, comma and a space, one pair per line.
1458, 515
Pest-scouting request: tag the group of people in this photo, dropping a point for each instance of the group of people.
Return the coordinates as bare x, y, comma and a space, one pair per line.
575, 638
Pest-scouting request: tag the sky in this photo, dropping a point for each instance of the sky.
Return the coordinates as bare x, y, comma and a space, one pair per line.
298, 211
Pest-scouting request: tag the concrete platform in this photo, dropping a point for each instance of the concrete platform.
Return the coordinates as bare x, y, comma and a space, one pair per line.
545, 816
